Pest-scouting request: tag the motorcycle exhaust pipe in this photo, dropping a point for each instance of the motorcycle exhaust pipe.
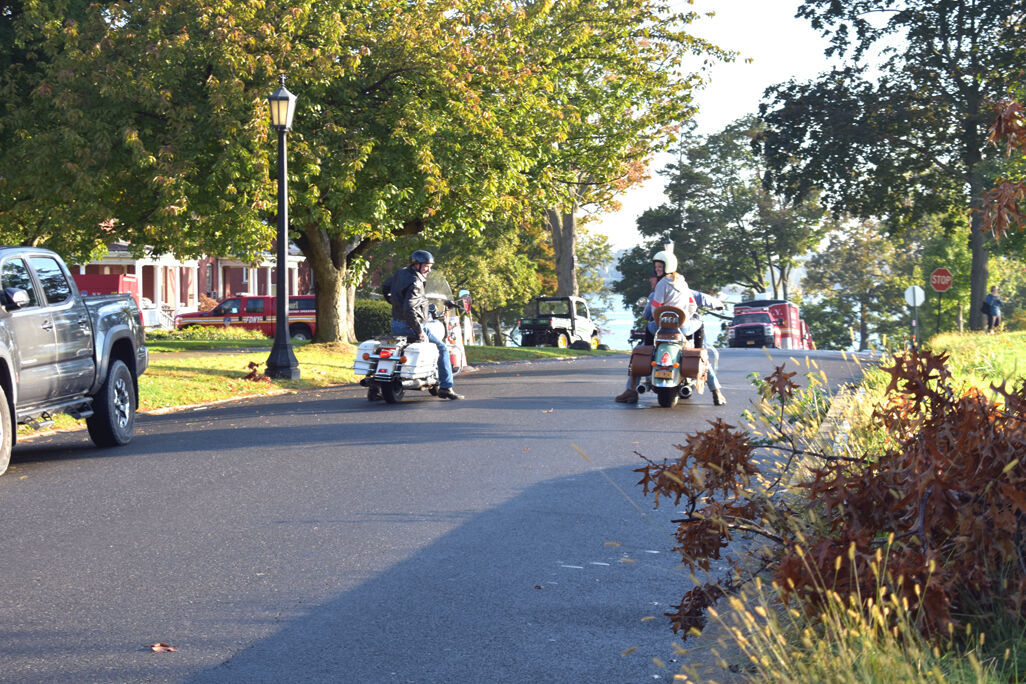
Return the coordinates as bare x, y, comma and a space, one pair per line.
415, 384
365, 381
685, 392
642, 388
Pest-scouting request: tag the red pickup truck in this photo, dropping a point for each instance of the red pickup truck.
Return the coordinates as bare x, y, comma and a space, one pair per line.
768, 323
257, 313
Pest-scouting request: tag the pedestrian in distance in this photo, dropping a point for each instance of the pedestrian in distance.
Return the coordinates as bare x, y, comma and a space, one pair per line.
992, 308
404, 290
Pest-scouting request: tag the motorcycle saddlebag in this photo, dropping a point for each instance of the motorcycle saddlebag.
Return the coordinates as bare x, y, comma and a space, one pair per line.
421, 359
641, 360
695, 364
359, 365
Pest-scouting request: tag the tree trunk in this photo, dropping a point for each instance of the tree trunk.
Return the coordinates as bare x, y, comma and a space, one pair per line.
978, 274
499, 340
329, 260
563, 226
973, 156
863, 326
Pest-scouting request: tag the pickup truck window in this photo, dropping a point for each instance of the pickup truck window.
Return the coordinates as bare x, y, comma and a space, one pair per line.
255, 305
51, 277
228, 306
15, 274
746, 318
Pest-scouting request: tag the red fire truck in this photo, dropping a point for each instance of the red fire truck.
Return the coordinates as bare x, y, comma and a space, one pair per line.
768, 323
257, 313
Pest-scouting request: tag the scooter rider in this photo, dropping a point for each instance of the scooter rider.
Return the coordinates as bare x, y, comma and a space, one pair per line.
404, 290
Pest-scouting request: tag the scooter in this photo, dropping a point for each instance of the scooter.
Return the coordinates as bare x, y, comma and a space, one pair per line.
392, 364
678, 369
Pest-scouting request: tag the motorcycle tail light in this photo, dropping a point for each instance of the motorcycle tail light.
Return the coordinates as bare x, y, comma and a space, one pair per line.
386, 353
665, 361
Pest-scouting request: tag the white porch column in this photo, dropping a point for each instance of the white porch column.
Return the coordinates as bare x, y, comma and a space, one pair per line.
195, 286
268, 281
158, 285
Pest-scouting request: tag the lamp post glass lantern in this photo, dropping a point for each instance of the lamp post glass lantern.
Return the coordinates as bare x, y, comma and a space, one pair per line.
282, 363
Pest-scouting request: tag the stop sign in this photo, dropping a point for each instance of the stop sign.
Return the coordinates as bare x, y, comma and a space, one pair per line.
940, 279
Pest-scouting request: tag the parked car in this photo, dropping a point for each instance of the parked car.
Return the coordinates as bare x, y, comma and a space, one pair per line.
558, 322
768, 323
257, 313
61, 352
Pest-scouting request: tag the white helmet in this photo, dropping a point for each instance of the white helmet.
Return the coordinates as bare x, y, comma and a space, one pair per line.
669, 261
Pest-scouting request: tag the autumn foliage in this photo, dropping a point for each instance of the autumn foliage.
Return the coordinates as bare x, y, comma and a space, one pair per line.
1003, 204
935, 520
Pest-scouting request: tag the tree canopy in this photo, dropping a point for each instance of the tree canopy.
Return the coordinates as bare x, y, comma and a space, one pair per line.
899, 138
726, 228
146, 121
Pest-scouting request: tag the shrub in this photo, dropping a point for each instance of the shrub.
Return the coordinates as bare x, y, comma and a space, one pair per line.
936, 519
205, 332
371, 318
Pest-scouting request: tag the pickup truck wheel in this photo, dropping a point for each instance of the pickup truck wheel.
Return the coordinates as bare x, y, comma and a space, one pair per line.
113, 419
300, 332
562, 340
5, 432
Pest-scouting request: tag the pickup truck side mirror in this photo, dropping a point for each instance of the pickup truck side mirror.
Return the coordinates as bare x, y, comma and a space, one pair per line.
724, 325
15, 298
780, 321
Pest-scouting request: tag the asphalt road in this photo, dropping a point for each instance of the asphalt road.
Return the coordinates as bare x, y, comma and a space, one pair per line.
317, 537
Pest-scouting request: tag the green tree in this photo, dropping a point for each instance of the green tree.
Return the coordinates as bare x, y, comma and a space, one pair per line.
725, 227
856, 280
148, 122
621, 77
910, 143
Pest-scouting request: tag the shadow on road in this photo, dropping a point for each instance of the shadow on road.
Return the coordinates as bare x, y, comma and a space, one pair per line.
554, 585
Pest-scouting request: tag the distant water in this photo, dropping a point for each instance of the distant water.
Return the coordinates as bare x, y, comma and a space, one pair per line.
617, 327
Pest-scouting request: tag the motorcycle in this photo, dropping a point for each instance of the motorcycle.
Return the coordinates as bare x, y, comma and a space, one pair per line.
393, 364
671, 367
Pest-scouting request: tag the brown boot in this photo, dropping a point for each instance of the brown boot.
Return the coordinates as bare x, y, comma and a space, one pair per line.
718, 398
628, 396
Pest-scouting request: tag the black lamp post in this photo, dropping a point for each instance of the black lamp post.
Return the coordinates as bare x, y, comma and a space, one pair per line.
282, 363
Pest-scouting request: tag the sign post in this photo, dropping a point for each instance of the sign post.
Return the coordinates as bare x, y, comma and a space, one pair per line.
915, 296
940, 281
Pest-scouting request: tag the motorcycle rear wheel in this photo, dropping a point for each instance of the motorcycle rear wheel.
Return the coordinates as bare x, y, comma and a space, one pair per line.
667, 396
393, 392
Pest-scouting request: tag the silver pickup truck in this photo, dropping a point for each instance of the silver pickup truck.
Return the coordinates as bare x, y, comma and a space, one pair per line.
61, 352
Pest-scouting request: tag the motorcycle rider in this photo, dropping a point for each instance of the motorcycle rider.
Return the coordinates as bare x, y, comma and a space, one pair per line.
672, 290
404, 290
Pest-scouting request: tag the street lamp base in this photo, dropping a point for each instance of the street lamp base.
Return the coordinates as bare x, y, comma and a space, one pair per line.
282, 363
282, 373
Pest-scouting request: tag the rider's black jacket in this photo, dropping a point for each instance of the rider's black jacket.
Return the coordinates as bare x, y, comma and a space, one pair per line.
405, 291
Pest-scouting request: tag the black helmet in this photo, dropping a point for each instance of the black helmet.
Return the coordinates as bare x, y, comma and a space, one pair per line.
422, 256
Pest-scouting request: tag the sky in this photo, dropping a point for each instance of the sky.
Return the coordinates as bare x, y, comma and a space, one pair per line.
780, 46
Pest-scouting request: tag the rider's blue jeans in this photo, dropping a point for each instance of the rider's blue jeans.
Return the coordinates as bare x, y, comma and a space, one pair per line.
444, 362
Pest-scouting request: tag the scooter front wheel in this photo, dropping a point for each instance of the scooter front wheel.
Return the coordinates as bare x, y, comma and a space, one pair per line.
667, 396
393, 391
